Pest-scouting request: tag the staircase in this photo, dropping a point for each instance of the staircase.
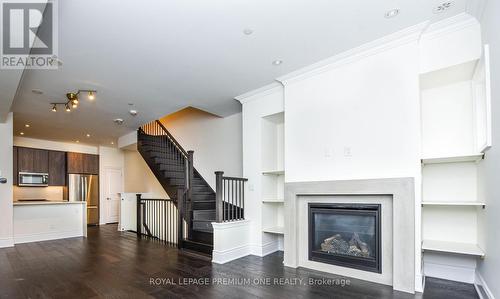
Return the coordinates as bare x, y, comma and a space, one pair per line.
197, 203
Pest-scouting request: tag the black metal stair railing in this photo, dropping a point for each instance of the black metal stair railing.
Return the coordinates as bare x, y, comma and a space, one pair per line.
158, 219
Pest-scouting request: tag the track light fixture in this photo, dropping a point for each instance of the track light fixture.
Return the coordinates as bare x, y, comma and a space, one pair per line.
73, 99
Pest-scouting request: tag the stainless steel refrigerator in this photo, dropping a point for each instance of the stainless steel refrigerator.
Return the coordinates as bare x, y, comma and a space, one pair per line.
85, 187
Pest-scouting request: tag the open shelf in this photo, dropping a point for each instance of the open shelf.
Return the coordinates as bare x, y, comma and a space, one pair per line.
452, 247
272, 200
453, 159
278, 230
454, 203
273, 172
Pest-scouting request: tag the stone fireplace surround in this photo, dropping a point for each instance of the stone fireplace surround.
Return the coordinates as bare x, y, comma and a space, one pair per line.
397, 193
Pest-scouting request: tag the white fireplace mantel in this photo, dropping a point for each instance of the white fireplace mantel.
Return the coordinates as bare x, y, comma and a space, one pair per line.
402, 192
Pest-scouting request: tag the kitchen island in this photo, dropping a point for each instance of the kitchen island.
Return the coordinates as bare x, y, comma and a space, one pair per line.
49, 220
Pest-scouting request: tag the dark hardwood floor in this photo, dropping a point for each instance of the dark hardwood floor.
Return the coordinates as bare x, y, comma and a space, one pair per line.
110, 264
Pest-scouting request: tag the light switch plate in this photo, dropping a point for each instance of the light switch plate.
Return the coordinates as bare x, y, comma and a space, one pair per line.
347, 151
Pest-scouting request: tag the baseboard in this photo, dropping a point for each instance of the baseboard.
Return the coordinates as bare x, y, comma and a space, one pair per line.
224, 256
479, 284
419, 283
449, 272
46, 236
264, 249
6, 242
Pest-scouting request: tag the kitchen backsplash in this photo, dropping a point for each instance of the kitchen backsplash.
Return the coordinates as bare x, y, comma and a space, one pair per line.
51, 193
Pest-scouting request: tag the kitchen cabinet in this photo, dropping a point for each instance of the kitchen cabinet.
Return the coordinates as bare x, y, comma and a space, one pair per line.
57, 168
83, 163
90, 164
75, 162
32, 160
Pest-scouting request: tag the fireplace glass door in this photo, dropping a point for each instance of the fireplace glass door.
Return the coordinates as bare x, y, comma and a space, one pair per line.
346, 235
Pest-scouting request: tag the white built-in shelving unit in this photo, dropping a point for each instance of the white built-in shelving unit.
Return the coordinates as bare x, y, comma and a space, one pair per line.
273, 176
452, 247
456, 132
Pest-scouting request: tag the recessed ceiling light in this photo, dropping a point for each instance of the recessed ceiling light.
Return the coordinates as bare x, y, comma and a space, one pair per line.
247, 31
391, 13
27, 125
133, 112
277, 62
443, 7
78, 141
22, 133
37, 91
118, 121
88, 135
112, 143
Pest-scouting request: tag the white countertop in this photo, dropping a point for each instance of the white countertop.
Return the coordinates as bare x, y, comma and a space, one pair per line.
48, 202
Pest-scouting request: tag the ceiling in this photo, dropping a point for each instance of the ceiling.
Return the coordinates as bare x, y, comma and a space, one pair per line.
162, 56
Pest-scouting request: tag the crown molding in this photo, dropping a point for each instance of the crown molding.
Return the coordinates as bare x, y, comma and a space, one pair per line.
476, 8
425, 30
399, 38
259, 92
449, 25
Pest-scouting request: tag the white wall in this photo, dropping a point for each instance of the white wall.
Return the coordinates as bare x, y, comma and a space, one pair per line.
216, 141
55, 145
358, 120
450, 42
138, 178
447, 121
6, 208
489, 169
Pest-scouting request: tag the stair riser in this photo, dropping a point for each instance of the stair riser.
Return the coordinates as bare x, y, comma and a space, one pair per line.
203, 226
202, 237
204, 215
203, 197
201, 189
203, 205
198, 247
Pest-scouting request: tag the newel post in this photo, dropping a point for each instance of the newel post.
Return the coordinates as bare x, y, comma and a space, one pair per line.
219, 207
138, 213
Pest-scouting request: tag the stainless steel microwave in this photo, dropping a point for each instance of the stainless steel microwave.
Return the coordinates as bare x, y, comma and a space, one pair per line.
31, 179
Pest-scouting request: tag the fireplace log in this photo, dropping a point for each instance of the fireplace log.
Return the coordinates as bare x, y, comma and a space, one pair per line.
360, 245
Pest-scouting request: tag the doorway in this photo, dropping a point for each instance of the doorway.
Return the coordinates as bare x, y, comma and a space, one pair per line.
113, 186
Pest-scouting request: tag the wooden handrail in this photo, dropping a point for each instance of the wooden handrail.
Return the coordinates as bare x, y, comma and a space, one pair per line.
229, 197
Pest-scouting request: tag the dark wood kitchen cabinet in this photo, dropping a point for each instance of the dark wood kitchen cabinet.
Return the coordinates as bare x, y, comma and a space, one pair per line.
57, 168
83, 163
90, 164
32, 160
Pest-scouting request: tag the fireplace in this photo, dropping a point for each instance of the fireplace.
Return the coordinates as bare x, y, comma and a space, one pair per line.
346, 235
